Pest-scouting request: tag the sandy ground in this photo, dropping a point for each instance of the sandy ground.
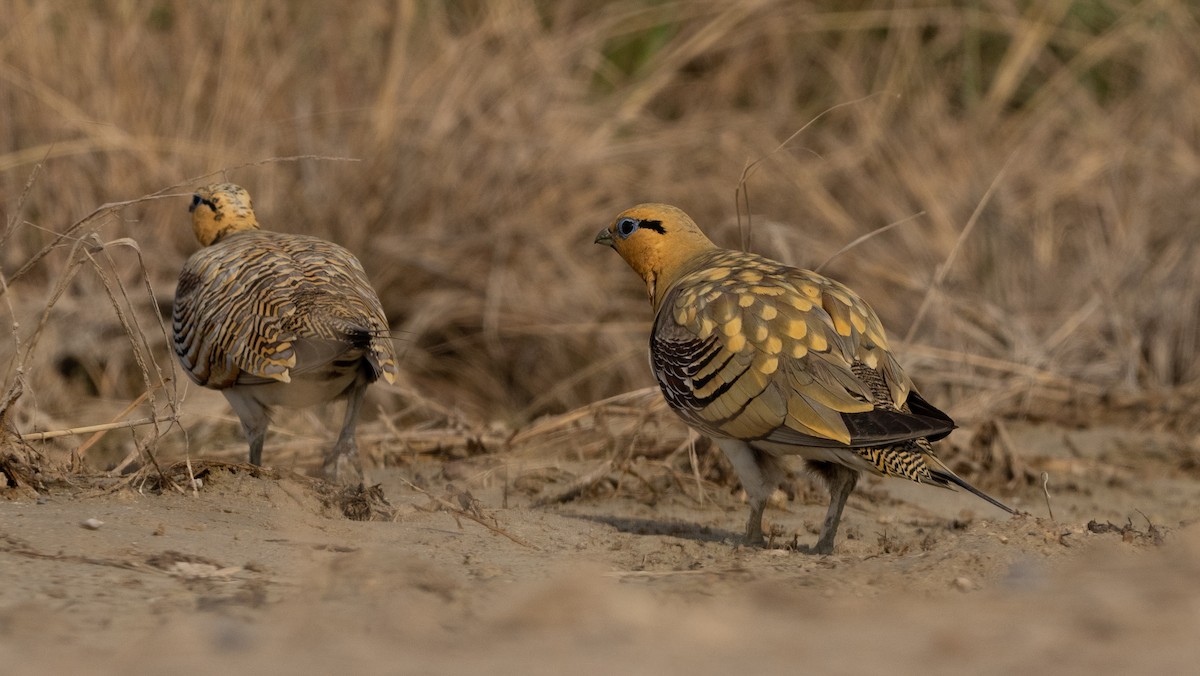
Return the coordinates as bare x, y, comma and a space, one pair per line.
258, 572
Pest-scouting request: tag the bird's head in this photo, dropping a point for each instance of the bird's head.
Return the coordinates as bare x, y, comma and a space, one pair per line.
657, 241
219, 209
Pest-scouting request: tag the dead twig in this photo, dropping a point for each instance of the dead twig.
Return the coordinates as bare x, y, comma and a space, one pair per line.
457, 511
86, 429
77, 454
142, 352
579, 485
1046, 493
859, 240
741, 194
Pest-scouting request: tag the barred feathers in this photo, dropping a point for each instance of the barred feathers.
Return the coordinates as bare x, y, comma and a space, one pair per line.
256, 306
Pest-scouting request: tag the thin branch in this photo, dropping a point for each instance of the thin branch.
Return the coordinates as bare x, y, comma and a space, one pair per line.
88, 429
91, 441
579, 485
863, 238
450, 507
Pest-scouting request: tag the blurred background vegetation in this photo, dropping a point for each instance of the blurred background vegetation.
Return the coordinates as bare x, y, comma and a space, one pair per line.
1044, 157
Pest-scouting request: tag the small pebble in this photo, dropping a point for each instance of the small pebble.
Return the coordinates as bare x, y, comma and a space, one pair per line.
91, 524
964, 583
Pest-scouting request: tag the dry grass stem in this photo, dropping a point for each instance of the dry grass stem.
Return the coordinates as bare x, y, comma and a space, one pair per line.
471, 514
88, 429
573, 489
944, 268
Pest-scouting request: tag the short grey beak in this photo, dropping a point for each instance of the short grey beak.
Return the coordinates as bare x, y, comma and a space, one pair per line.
604, 237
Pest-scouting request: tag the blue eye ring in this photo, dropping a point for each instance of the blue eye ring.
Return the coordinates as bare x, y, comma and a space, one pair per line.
626, 227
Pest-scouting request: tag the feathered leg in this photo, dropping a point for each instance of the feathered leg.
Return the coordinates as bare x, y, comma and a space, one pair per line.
841, 481
255, 418
760, 474
342, 463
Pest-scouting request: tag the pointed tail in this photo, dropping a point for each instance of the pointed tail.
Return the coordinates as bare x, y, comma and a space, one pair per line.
943, 476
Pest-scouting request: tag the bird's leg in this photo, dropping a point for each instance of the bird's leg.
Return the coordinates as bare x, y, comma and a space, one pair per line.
841, 481
342, 463
255, 418
256, 439
760, 474
754, 533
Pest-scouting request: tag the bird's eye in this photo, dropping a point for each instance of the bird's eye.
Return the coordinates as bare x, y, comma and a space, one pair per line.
197, 200
626, 226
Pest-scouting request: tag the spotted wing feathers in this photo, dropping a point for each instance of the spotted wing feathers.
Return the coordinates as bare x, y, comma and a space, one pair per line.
750, 349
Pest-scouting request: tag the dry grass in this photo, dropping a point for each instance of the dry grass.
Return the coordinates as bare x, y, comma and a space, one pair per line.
494, 138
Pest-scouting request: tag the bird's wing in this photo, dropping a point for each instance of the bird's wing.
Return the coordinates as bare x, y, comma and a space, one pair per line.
233, 314
747, 348
261, 306
339, 303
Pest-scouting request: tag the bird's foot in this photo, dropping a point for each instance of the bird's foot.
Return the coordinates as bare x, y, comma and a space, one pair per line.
343, 467
817, 549
823, 547
754, 538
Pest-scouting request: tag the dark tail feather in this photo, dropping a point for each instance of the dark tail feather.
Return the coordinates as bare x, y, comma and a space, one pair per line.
359, 337
945, 477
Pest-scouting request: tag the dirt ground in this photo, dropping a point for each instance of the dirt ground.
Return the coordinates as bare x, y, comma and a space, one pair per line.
259, 571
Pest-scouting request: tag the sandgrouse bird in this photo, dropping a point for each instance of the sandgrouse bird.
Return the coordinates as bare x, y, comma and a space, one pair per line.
770, 360
276, 319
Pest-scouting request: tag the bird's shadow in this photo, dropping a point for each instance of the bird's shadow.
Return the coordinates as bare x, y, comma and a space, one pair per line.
679, 529
690, 531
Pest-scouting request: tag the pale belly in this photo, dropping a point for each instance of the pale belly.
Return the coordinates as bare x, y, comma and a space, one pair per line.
839, 455
306, 389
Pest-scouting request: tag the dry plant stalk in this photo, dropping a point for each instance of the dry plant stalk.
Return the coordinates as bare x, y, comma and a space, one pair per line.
84, 249
88, 429
457, 511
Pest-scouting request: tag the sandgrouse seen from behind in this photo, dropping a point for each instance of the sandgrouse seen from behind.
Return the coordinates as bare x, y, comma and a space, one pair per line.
770, 360
276, 319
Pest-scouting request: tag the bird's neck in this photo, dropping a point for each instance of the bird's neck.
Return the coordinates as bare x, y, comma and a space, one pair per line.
209, 230
672, 264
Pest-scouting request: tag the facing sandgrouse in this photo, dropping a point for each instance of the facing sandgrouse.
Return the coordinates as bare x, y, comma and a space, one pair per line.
770, 360
276, 319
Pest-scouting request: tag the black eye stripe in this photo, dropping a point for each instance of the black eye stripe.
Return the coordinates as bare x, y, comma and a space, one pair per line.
656, 226
198, 200
628, 225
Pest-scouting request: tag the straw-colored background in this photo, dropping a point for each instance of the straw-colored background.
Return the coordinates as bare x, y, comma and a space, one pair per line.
1046, 156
